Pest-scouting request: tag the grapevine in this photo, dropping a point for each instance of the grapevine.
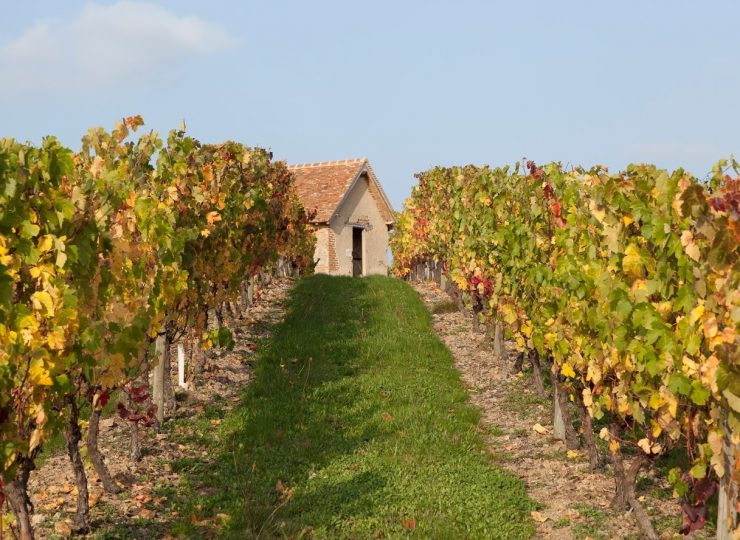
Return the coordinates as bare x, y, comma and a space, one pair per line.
629, 283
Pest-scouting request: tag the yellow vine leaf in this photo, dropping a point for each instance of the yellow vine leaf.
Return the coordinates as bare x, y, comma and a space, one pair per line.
655, 401
708, 373
688, 366
644, 444
39, 374
588, 399
28, 326
55, 340
567, 370
714, 439
221, 202
97, 166
593, 373
611, 237
696, 313
597, 211
689, 245
36, 438
43, 302
672, 402
648, 447
45, 243
527, 329
632, 261
61, 259
709, 324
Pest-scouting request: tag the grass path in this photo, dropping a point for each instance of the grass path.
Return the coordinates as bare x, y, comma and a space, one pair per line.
355, 426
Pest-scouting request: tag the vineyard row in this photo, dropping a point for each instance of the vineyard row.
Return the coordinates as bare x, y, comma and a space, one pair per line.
627, 285
106, 251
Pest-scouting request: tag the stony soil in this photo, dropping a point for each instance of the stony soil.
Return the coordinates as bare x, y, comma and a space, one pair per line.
52, 485
575, 502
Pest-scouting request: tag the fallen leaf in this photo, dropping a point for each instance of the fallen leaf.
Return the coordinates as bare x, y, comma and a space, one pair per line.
572, 454
410, 523
539, 428
146, 513
95, 496
199, 522
537, 516
62, 528
142, 499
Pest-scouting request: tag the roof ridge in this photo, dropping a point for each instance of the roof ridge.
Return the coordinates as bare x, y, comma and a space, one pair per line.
328, 163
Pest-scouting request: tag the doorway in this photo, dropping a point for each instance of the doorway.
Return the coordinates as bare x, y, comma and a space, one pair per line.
356, 251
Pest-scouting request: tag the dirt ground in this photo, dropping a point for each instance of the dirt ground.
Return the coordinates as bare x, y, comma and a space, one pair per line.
52, 485
575, 503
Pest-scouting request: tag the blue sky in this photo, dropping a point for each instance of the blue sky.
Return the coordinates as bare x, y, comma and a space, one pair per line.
409, 84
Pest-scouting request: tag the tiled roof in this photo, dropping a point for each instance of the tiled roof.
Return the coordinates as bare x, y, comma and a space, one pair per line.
323, 186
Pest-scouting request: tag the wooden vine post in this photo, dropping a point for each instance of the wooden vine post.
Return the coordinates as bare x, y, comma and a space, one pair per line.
161, 353
181, 365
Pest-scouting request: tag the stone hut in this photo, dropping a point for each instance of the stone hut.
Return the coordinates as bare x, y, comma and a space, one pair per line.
353, 216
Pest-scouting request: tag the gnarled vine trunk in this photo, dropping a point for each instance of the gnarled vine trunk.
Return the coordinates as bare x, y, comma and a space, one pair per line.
537, 379
17, 494
73, 436
624, 481
93, 452
595, 460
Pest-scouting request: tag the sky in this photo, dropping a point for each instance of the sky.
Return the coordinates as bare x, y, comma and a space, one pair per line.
408, 84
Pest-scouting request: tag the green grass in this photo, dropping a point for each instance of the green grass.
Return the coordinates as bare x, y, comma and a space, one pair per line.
593, 527
355, 424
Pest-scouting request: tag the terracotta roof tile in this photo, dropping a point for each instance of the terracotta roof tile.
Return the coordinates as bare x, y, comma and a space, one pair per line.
322, 186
